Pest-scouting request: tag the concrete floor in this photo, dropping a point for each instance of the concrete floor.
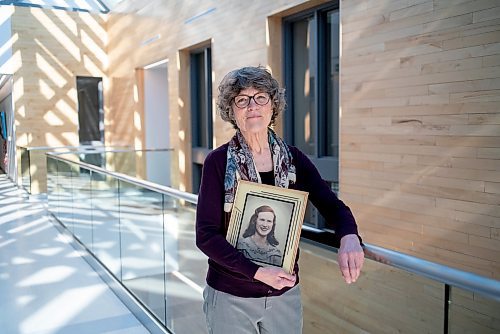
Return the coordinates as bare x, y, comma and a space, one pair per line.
45, 285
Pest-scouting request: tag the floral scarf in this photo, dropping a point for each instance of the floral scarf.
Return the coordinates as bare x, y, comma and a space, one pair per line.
240, 165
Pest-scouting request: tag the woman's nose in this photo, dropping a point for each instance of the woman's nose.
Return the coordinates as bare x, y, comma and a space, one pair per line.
252, 104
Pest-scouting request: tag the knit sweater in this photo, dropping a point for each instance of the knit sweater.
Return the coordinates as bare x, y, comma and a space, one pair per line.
229, 270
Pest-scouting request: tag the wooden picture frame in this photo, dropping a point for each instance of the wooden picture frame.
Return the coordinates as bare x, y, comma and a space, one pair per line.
266, 222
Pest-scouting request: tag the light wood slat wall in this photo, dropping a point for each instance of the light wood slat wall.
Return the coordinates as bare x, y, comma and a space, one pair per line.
237, 34
420, 127
50, 48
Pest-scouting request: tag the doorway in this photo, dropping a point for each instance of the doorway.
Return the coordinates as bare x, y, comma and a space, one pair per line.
157, 122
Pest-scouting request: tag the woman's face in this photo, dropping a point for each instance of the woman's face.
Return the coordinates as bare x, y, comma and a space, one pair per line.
253, 118
264, 223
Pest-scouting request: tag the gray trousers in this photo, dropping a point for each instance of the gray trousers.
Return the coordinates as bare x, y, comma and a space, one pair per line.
228, 314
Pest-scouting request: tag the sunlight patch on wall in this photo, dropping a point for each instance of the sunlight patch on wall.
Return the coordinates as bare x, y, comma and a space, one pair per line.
52, 140
71, 138
95, 26
91, 67
182, 162
137, 121
18, 92
67, 21
136, 94
50, 71
52, 119
137, 143
72, 94
68, 111
45, 89
57, 33
53, 58
94, 48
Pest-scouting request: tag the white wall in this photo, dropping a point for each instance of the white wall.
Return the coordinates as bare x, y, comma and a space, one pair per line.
90, 5
157, 124
5, 39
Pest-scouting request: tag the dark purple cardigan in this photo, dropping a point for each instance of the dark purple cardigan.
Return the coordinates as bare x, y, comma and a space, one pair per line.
229, 270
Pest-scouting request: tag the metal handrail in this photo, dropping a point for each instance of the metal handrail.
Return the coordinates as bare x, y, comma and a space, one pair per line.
438, 272
40, 148
191, 198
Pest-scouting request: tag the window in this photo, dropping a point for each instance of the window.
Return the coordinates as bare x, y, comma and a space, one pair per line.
90, 110
201, 110
312, 83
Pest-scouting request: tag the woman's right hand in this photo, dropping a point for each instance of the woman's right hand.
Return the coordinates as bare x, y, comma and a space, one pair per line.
275, 277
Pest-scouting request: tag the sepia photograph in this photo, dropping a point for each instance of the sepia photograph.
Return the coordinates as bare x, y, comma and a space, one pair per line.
266, 222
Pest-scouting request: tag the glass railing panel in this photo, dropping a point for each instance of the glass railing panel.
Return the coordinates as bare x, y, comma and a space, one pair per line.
82, 203
383, 300
106, 222
65, 192
156, 167
184, 286
142, 253
38, 171
152, 166
52, 187
473, 313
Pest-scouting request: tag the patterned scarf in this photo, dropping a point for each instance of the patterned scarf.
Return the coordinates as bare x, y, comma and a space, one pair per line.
240, 165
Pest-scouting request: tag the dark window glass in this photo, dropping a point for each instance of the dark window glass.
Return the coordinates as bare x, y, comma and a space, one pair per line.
201, 99
311, 70
312, 80
332, 83
201, 111
304, 82
90, 111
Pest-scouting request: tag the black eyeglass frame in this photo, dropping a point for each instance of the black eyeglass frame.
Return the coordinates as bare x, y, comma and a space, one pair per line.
250, 98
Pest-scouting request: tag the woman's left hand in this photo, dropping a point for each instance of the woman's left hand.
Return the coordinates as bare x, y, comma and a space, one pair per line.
350, 257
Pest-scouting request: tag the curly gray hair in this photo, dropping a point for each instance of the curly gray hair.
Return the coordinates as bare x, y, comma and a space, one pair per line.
249, 77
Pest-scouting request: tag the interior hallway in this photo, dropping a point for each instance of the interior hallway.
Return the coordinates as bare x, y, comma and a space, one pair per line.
45, 286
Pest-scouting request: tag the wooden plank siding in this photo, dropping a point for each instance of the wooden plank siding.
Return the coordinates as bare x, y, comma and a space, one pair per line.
420, 132
50, 49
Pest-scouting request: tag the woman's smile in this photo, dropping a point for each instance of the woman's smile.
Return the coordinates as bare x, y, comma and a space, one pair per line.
264, 224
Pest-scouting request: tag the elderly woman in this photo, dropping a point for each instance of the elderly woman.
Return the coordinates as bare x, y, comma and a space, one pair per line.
241, 296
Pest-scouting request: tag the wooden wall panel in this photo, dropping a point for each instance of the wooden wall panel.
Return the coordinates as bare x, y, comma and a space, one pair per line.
420, 138
238, 33
383, 300
52, 48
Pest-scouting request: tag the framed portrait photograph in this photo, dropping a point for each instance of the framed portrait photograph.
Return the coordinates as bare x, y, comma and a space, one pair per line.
266, 222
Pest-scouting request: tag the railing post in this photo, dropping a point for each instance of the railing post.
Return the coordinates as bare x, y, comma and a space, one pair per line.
447, 303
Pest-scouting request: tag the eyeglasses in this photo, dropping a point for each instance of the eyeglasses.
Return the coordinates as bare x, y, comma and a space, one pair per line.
242, 101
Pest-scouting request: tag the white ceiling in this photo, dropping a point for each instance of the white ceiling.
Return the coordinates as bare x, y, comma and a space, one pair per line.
86, 5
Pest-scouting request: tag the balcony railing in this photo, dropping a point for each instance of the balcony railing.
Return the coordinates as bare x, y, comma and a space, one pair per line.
32, 171
144, 235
